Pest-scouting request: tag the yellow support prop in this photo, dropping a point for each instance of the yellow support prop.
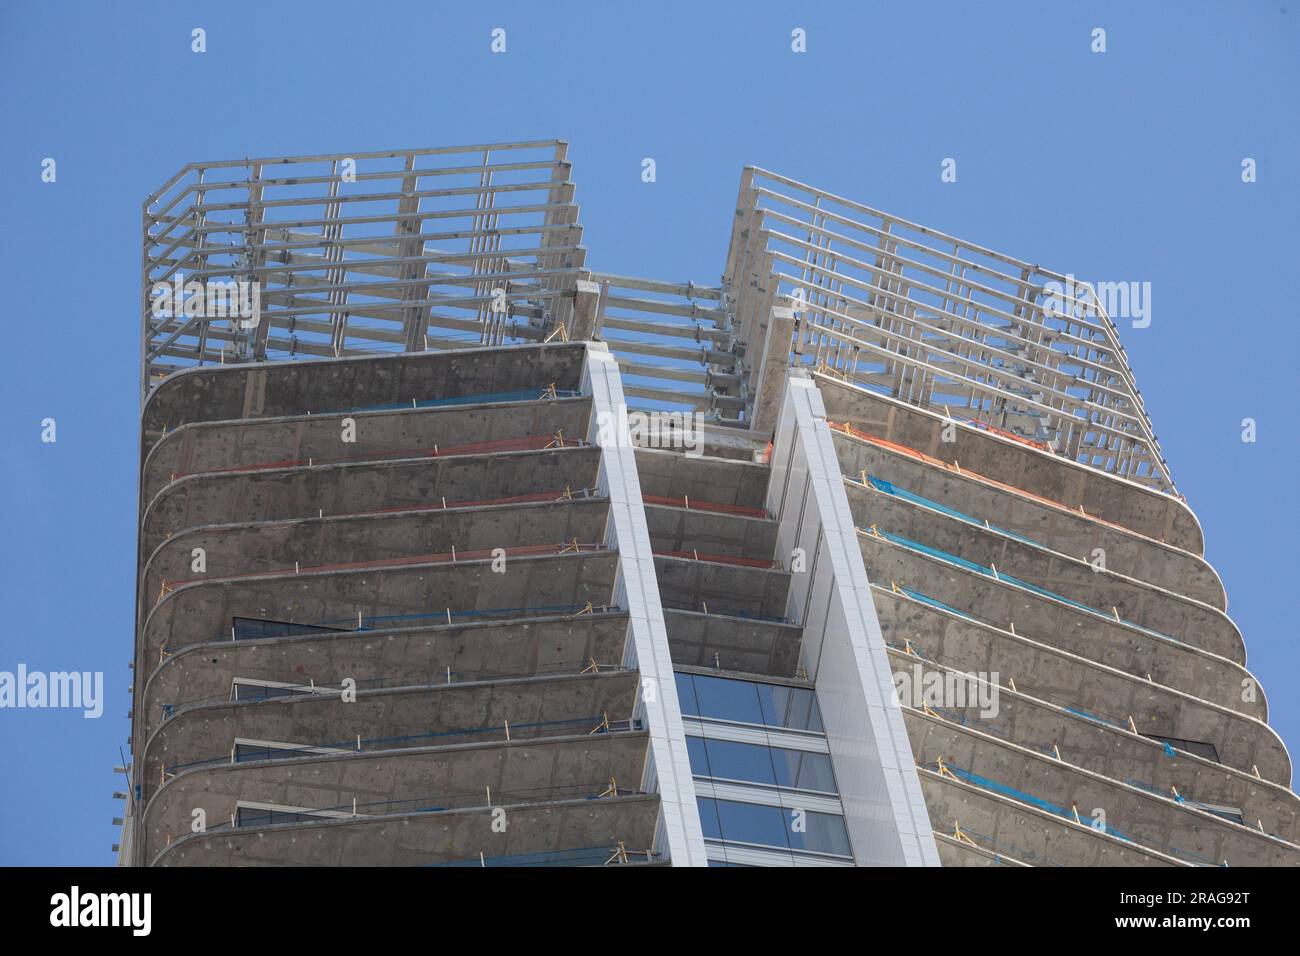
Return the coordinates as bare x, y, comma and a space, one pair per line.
960, 836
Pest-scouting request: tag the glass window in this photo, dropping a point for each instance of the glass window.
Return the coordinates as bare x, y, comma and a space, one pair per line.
792, 707
251, 628
734, 761
752, 823
258, 817
686, 694
699, 757
764, 825
709, 818
245, 691
748, 702
819, 832
755, 763
727, 699
245, 752
803, 770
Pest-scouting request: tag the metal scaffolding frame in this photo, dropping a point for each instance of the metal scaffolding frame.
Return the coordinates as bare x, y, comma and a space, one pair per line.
935, 321
464, 247
405, 250
664, 336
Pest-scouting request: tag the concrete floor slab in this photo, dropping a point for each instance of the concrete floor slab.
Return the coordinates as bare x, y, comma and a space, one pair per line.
428, 839
276, 389
203, 612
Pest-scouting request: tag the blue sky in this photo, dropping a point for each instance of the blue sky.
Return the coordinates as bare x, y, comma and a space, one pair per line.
1121, 165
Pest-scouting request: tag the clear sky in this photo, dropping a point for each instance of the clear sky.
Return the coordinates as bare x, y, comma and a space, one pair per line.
1122, 165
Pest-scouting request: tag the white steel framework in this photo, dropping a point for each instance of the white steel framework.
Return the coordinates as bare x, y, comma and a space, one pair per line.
937, 322
455, 247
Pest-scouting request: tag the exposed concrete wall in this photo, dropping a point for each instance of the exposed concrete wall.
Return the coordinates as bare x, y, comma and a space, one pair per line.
679, 529
361, 487
1135, 506
1176, 666
392, 718
842, 649
953, 852
768, 378
1057, 527
245, 549
478, 651
1002, 603
671, 474
210, 446
423, 839
1172, 828
733, 643
1072, 577
276, 389
686, 584
517, 772
202, 612
1026, 833
1067, 680
1113, 752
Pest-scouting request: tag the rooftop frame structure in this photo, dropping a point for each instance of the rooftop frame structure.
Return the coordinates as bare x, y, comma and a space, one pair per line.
403, 250
938, 322
463, 247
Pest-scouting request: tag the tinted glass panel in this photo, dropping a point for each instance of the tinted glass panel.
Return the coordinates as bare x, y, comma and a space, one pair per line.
709, 818
727, 699
793, 707
252, 752
686, 695
802, 770
772, 826
699, 759
249, 628
252, 817
822, 833
262, 692
733, 761
755, 763
752, 823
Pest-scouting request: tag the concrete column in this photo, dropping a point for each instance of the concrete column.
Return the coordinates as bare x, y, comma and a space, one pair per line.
636, 589
586, 310
770, 368
843, 649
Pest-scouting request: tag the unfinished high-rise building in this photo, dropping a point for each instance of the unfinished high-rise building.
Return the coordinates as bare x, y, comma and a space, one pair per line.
455, 552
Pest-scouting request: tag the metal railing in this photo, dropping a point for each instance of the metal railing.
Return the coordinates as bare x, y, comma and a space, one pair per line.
937, 322
405, 250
